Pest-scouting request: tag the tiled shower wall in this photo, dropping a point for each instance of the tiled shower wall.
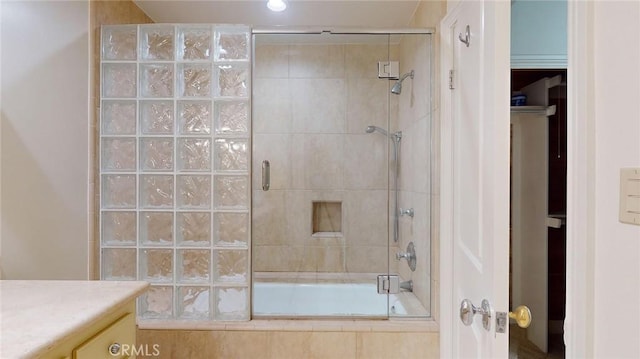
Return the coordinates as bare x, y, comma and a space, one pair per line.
174, 164
312, 104
414, 120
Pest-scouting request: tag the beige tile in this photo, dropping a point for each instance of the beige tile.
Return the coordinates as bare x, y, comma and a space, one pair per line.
367, 259
362, 60
366, 214
277, 258
323, 259
165, 340
397, 345
203, 344
298, 214
318, 105
330, 345
271, 61
421, 156
271, 106
316, 61
290, 345
275, 148
245, 345
366, 161
367, 104
323, 167
269, 221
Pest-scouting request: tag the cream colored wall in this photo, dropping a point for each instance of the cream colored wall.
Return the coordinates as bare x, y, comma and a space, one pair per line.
312, 104
45, 130
616, 86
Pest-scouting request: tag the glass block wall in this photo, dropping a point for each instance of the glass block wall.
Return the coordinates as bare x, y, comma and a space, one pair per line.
174, 167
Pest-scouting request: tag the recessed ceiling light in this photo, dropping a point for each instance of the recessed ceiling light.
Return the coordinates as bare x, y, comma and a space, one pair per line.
276, 5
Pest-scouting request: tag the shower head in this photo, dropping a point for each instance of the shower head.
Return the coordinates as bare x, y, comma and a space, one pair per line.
397, 87
396, 136
372, 129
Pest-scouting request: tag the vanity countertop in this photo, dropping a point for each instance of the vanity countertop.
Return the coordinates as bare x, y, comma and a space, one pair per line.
37, 315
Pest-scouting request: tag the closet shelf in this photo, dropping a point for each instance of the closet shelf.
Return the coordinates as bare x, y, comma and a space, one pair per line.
546, 110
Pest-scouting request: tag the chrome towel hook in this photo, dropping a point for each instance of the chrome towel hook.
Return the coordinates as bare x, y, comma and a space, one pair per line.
467, 37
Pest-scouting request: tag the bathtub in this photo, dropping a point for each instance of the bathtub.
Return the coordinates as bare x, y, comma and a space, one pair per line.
323, 300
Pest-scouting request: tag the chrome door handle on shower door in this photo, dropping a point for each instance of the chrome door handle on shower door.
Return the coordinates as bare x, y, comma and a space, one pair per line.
266, 175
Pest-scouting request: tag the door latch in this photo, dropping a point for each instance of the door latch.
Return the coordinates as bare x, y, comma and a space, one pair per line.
501, 322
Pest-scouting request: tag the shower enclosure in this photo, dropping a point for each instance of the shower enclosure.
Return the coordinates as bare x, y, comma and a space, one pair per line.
341, 174
247, 174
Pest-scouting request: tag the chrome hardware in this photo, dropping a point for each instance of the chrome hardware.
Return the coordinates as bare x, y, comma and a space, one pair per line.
501, 322
266, 175
114, 348
522, 316
388, 284
409, 255
407, 212
408, 285
467, 37
468, 310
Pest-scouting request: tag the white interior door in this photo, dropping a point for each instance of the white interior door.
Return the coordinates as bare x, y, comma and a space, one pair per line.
475, 175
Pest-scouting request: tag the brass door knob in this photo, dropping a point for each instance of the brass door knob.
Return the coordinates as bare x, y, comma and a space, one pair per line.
522, 316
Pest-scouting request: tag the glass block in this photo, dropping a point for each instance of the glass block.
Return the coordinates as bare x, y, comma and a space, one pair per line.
194, 228
194, 117
193, 303
194, 43
194, 80
118, 191
194, 192
231, 155
156, 191
118, 117
119, 80
156, 154
231, 192
156, 265
156, 117
231, 304
193, 265
119, 264
156, 303
194, 154
233, 80
156, 42
156, 80
231, 44
118, 154
119, 42
230, 266
156, 228
230, 229
231, 117
118, 228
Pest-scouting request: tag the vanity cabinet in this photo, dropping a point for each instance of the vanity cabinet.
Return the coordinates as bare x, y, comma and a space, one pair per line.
69, 319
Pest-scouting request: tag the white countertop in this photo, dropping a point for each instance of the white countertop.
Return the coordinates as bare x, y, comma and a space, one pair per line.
36, 315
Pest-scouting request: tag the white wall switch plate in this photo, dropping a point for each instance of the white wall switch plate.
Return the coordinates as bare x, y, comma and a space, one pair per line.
630, 195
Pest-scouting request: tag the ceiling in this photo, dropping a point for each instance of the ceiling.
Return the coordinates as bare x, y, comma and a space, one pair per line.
299, 13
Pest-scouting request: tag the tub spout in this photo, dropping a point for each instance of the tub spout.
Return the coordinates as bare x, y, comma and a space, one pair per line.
408, 285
